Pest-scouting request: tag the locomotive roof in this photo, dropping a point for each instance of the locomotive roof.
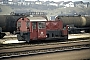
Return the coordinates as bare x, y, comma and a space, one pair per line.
37, 19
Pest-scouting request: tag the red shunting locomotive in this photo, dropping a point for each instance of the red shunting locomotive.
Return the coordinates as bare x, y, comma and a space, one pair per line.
39, 28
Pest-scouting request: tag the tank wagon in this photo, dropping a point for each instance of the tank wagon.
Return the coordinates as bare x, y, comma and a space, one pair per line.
76, 23
38, 28
7, 24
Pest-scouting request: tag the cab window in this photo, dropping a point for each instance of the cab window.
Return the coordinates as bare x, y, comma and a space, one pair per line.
28, 23
19, 24
34, 25
41, 25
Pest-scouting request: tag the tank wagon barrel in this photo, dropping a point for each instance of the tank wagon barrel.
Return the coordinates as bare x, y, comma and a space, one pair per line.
78, 21
87, 21
8, 22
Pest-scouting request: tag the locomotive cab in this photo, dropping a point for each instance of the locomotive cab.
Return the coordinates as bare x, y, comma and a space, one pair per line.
30, 28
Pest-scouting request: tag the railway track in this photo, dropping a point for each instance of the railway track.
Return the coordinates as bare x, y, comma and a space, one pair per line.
43, 49
42, 43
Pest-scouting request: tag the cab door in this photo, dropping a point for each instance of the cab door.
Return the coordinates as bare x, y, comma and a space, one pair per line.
34, 31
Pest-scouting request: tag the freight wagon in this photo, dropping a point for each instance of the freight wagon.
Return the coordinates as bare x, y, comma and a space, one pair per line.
76, 24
